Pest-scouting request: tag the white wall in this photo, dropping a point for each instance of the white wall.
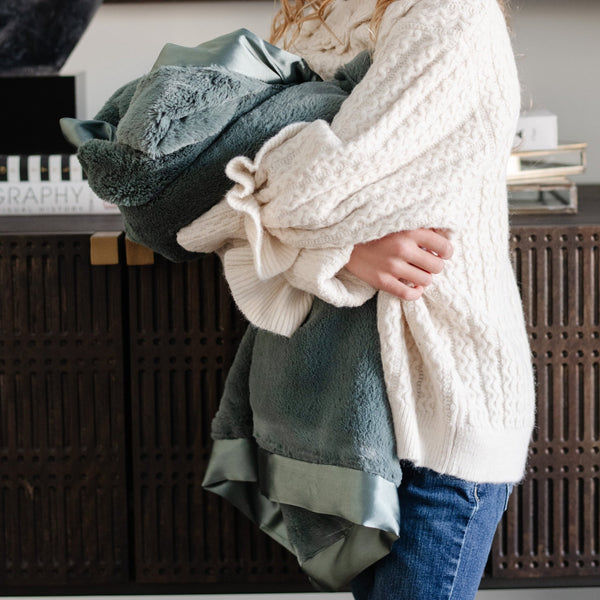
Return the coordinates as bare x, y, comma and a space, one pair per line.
558, 53
557, 44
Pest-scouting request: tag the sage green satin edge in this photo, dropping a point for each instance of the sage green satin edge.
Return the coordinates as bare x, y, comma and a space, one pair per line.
244, 52
359, 497
366, 500
334, 567
232, 474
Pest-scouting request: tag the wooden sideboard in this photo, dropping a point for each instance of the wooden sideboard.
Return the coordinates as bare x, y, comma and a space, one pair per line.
109, 377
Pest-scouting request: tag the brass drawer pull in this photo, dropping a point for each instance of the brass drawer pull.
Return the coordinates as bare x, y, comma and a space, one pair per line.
104, 248
137, 254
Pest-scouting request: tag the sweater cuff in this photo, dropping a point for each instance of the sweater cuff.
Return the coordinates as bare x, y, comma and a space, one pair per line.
272, 304
320, 271
213, 230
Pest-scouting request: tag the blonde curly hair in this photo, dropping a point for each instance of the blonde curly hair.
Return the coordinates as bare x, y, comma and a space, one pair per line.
288, 21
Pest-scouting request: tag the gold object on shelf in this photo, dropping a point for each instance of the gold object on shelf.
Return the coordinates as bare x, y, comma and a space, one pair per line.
550, 195
564, 160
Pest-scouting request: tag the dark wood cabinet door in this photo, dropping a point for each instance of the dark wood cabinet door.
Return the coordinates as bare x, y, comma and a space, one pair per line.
184, 331
551, 530
63, 492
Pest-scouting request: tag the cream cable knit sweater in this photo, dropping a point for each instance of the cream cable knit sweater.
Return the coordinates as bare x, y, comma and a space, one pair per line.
422, 141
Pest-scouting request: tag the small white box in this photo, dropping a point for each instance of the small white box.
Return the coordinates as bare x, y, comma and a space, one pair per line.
536, 130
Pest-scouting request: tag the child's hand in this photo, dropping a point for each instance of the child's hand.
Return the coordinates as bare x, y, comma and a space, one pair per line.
401, 263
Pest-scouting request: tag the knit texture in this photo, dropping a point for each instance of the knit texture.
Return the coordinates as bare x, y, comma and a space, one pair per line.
422, 141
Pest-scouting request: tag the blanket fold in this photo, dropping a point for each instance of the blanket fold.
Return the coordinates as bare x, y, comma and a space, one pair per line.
303, 438
158, 147
304, 443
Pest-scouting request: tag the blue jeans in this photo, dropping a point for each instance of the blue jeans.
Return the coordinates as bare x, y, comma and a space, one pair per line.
446, 530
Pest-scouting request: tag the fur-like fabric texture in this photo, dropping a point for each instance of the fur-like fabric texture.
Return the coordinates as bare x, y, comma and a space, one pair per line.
177, 128
37, 36
174, 107
314, 396
318, 397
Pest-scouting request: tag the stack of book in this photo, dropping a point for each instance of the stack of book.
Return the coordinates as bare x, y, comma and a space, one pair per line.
539, 180
39, 171
47, 184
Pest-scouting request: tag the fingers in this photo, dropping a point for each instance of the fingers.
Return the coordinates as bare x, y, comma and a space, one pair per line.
413, 274
425, 260
401, 289
416, 262
433, 241
401, 263
422, 248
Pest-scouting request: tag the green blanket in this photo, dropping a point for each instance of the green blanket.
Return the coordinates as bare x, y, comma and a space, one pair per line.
304, 443
158, 147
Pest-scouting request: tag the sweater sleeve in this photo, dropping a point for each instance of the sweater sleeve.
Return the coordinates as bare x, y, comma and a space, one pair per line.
403, 152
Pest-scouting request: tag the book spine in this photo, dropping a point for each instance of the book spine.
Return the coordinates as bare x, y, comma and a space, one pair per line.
52, 184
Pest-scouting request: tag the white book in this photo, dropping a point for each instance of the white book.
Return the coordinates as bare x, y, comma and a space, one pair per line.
46, 185
12, 168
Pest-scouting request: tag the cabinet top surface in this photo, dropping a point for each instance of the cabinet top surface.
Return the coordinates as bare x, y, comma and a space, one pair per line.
588, 214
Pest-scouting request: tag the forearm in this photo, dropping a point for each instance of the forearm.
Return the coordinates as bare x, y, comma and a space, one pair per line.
408, 163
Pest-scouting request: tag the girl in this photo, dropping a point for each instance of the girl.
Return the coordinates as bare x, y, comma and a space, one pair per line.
404, 195
452, 495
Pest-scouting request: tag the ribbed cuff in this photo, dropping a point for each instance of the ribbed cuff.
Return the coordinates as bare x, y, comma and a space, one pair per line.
271, 304
320, 271
215, 228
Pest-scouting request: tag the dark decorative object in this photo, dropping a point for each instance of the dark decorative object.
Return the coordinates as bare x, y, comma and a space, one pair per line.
30, 109
37, 36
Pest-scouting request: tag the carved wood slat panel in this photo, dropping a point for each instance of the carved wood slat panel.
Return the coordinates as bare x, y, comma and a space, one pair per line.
185, 330
63, 496
552, 526
63, 515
